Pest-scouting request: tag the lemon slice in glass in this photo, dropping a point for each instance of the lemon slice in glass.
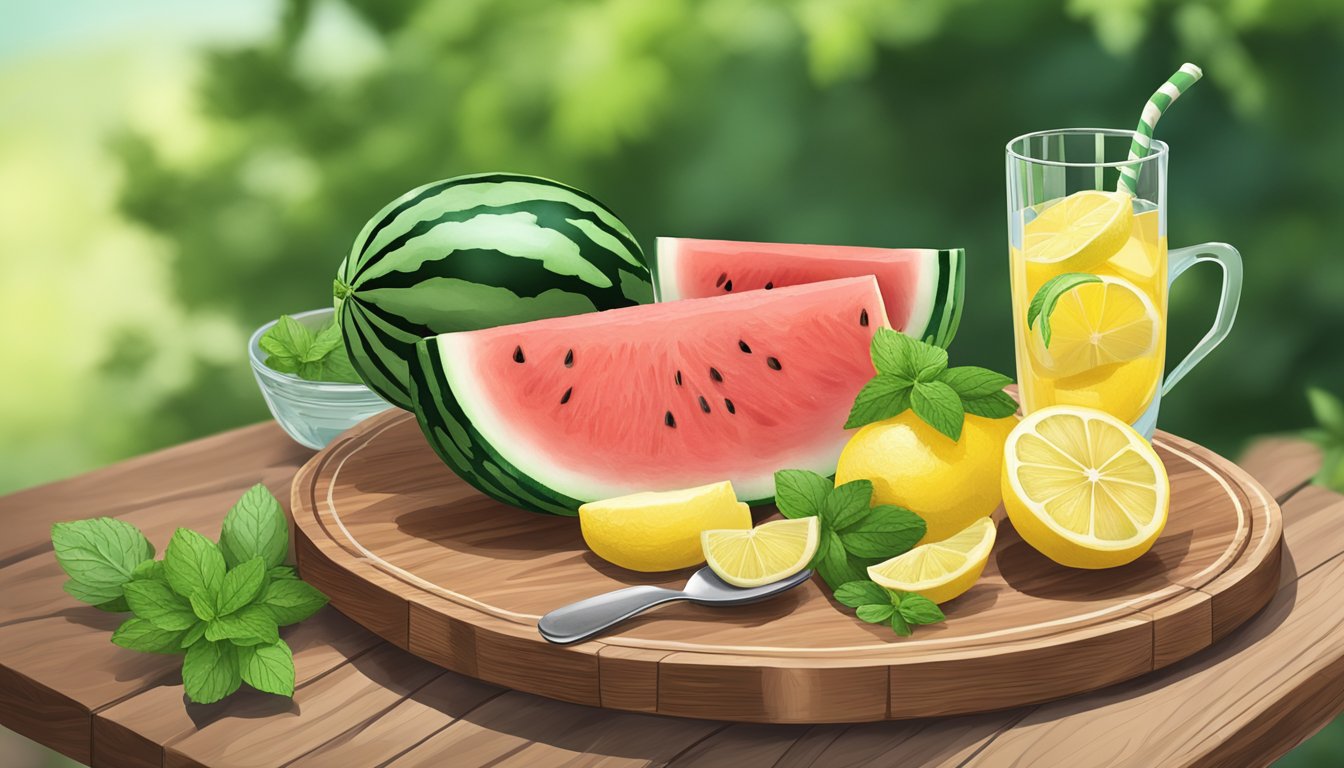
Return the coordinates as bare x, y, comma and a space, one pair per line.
1098, 324
763, 555
941, 570
1078, 232
660, 531
1083, 487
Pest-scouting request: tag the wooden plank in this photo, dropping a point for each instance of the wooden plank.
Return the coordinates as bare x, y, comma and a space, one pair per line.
265, 731
517, 729
945, 742
744, 745
629, 677
1281, 464
133, 732
445, 700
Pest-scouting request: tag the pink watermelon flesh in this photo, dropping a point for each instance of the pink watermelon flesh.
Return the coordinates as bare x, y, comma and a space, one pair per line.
668, 396
690, 269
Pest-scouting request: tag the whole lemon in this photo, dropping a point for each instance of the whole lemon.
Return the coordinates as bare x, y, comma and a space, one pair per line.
912, 465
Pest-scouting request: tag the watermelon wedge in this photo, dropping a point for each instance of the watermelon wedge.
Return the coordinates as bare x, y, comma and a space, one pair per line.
552, 413
922, 287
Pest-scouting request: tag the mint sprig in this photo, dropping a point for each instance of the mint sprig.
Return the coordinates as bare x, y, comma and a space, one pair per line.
291, 347
913, 375
854, 535
1048, 295
876, 604
220, 604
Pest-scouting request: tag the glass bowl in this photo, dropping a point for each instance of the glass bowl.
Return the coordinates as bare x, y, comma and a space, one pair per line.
311, 412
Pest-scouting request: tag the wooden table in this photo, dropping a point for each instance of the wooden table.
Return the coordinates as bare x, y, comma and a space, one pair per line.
363, 702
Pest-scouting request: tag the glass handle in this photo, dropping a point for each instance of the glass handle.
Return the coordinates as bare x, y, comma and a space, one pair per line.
1229, 259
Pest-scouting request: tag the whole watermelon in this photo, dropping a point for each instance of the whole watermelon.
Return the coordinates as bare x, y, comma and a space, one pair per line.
475, 252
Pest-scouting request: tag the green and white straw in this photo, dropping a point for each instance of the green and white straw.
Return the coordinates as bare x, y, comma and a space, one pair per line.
1162, 98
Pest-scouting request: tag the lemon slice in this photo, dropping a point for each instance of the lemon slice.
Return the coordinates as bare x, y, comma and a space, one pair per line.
1083, 487
942, 570
765, 554
1077, 233
1098, 324
660, 531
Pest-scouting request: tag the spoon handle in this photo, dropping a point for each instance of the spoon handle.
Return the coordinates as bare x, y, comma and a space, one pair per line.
581, 620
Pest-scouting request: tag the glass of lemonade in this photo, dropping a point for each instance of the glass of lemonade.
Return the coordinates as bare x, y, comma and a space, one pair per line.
1090, 271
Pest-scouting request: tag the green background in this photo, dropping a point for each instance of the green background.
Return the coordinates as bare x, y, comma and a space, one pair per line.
172, 175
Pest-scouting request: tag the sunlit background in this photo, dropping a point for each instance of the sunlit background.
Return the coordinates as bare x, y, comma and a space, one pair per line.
174, 174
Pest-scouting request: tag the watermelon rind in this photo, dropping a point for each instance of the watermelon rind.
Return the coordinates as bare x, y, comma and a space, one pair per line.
473, 252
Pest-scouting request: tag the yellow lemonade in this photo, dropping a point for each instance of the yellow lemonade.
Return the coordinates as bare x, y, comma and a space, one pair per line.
1107, 336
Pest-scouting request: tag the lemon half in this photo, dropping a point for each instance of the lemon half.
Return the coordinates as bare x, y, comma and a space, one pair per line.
1078, 232
942, 570
660, 531
1083, 487
763, 555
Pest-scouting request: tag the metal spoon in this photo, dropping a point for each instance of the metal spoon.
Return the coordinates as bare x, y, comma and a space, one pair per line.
581, 620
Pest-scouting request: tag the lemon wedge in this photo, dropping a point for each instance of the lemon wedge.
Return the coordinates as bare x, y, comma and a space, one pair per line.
763, 555
1083, 487
1098, 324
1078, 232
660, 531
941, 570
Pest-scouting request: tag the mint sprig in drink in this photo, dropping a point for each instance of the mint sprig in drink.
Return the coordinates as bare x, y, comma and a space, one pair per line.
1089, 265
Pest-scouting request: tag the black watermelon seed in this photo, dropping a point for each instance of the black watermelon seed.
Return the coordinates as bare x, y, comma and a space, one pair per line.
729, 405
722, 277
863, 317
772, 362
769, 285
569, 359
728, 286
704, 404
715, 375
742, 345
565, 397
669, 421
518, 355
678, 378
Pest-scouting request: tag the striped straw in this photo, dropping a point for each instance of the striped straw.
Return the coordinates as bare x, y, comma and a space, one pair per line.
1143, 135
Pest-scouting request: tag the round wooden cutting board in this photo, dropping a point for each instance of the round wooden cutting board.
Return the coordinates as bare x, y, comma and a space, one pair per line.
410, 551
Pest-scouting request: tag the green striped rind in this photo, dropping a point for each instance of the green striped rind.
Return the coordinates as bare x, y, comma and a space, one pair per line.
949, 296
475, 252
463, 448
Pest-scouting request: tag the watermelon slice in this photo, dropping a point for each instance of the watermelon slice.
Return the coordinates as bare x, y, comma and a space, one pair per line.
922, 287
548, 414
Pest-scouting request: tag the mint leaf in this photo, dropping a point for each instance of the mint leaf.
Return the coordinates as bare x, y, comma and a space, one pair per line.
283, 364
196, 632
874, 613
193, 563
140, 635
939, 406
847, 504
1043, 303
268, 668
324, 343
119, 605
970, 382
928, 361
857, 593
887, 531
289, 600
800, 493
884, 396
892, 352
241, 586
999, 405
834, 564
93, 595
210, 672
255, 527
1327, 410
917, 609
337, 367
100, 553
281, 572
156, 602
203, 605
899, 625
252, 625
288, 339
150, 569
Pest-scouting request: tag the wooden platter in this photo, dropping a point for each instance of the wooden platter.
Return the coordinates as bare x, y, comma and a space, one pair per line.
405, 548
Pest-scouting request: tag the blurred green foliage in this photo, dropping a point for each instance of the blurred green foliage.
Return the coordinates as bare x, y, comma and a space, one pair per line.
878, 122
